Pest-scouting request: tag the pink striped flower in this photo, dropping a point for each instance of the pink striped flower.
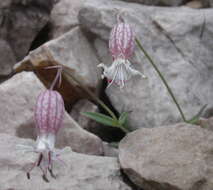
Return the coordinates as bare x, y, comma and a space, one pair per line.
121, 41
49, 113
121, 46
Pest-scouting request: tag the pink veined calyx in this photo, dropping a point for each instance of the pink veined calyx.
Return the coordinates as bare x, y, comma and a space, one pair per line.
121, 47
48, 114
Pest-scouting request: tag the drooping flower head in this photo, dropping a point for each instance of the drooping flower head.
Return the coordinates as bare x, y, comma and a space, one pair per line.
49, 113
121, 47
121, 41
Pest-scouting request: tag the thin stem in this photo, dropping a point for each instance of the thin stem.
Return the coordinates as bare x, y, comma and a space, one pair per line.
57, 77
162, 78
124, 129
67, 73
106, 108
93, 96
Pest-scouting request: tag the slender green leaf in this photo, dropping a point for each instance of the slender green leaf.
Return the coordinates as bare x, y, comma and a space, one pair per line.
193, 121
101, 118
123, 118
195, 118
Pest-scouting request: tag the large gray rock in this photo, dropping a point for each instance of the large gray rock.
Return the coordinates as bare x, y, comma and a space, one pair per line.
175, 157
7, 58
82, 172
158, 2
20, 23
180, 45
64, 16
18, 98
73, 50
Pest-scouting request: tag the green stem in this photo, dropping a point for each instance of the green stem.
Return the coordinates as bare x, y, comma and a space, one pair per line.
101, 103
162, 78
93, 96
124, 129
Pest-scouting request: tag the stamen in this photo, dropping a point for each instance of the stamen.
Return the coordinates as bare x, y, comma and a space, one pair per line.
49, 158
40, 159
50, 166
45, 178
28, 175
44, 171
37, 163
51, 173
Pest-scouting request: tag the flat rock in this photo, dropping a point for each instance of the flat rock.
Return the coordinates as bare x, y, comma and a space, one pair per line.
176, 157
20, 21
82, 172
72, 50
179, 42
18, 96
64, 16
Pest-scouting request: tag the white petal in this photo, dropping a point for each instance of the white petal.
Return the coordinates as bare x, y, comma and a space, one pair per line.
45, 142
119, 72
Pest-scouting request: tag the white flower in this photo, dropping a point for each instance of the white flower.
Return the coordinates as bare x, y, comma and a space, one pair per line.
47, 154
119, 72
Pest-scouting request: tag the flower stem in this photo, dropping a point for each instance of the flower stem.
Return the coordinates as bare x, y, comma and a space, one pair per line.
69, 74
93, 96
124, 129
162, 78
